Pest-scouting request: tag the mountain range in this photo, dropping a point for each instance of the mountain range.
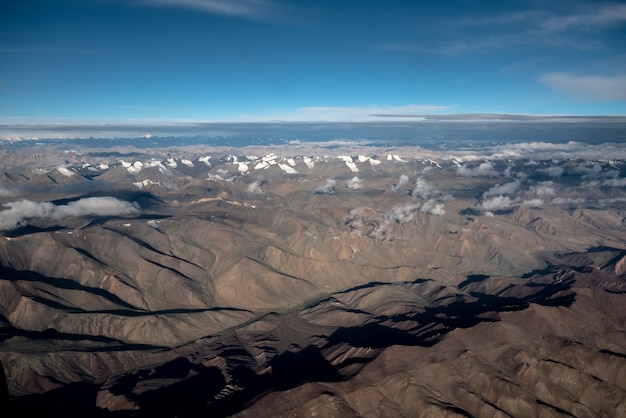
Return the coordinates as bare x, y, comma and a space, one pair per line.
313, 279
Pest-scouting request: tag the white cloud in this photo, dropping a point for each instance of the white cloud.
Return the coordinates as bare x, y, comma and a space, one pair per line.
18, 213
399, 214
356, 219
544, 188
597, 88
355, 183
566, 200
533, 203
5, 191
498, 202
484, 169
612, 200
590, 184
568, 151
255, 187
554, 171
592, 170
425, 189
357, 213
506, 188
618, 182
328, 187
402, 213
432, 207
396, 187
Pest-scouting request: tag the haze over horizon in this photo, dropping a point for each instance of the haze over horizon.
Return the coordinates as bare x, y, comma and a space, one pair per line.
155, 61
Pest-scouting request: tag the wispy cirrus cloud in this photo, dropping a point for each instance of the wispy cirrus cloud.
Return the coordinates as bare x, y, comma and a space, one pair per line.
591, 17
597, 88
572, 28
250, 9
594, 18
46, 50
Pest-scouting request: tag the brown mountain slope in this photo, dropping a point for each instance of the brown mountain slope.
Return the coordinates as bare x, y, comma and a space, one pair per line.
225, 292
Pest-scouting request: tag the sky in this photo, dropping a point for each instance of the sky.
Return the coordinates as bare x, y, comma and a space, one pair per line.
124, 61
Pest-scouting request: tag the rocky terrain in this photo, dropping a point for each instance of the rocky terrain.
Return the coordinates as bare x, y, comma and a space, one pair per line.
313, 280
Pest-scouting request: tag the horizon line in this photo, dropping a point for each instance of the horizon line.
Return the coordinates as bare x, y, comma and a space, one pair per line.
418, 117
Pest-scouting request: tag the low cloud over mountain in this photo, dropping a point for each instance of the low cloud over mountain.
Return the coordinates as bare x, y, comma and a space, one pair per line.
16, 214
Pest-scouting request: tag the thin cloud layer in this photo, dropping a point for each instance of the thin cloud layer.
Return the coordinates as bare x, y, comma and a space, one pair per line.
4, 191
255, 187
576, 28
542, 150
340, 113
253, 9
19, 213
617, 182
596, 88
555, 171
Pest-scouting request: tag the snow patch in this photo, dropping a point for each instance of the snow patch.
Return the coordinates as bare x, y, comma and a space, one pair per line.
395, 157
65, 171
287, 169
145, 183
205, 160
135, 168
349, 162
269, 157
433, 162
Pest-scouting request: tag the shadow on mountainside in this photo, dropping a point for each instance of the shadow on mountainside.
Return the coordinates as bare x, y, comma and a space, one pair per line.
184, 388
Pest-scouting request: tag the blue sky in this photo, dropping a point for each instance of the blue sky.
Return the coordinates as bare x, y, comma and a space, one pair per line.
124, 61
